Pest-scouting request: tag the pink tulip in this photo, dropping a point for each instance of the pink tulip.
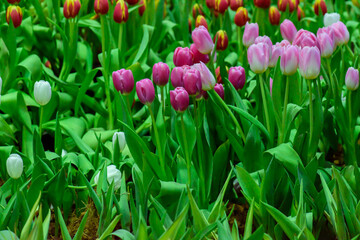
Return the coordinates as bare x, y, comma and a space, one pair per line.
309, 62
219, 89
179, 99
258, 57
182, 56
277, 51
251, 32
267, 41
306, 39
123, 81
341, 33
352, 79
145, 91
207, 78
161, 74
202, 40
192, 81
288, 30
289, 60
327, 43
198, 56
237, 77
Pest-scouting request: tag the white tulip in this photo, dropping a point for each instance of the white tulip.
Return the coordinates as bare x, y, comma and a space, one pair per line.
14, 166
113, 175
121, 139
42, 92
330, 18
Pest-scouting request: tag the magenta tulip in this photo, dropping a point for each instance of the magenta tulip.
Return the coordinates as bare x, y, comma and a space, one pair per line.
219, 89
123, 81
352, 79
182, 56
177, 76
309, 62
179, 99
202, 40
161, 73
237, 77
192, 81
198, 56
289, 60
305, 38
258, 57
145, 91
251, 32
207, 79
288, 30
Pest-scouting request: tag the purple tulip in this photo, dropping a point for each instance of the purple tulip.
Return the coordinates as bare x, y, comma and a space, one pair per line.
161, 74
251, 32
192, 81
267, 41
123, 81
219, 89
145, 91
352, 79
179, 99
289, 60
198, 56
202, 40
207, 79
182, 56
258, 57
306, 39
237, 77
341, 33
288, 30
309, 62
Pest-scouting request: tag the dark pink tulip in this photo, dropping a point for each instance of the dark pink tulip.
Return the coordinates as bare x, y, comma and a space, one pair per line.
71, 8
288, 30
341, 33
123, 81
161, 73
219, 89
177, 77
305, 38
121, 13
145, 91
192, 81
198, 56
182, 56
237, 77
179, 99
289, 61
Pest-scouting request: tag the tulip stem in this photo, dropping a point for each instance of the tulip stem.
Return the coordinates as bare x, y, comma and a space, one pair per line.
41, 119
240, 45
311, 109
121, 29
157, 138
350, 51
187, 157
163, 100
286, 99
265, 102
350, 114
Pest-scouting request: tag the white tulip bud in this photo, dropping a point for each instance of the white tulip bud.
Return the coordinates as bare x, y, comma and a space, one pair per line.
113, 174
330, 18
42, 92
14, 166
121, 139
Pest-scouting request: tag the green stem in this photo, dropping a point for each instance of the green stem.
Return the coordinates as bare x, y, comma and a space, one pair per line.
350, 115
157, 139
311, 109
187, 157
333, 87
163, 99
263, 95
240, 44
121, 29
286, 99
80, 187
350, 51
41, 119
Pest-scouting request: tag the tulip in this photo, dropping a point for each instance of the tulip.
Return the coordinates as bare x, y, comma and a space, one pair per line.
341, 33
13, 1
262, 3
145, 91
222, 40
309, 62
241, 16
48, 64
197, 11
235, 4
182, 56
352, 79
258, 57
326, 41
289, 60
15, 14
113, 175
237, 77
201, 21
207, 79
288, 30
219, 89
330, 18
202, 40
287, 4
132, 2
300, 13
198, 56
42, 92
14, 166
210, 4
142, 9
221, 6
320, 4
277, 51
120, 136
177, 76
123, 81
121, 13
71, 8
218, 75
101, 7
161, 73
267, 41
305, 38
190, 24
251, 32
179, 99
274, 16
192, 81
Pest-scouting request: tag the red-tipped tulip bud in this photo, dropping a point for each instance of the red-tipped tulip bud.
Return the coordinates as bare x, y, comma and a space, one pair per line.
197, 10
192, 81
182, 56
274, 16
287, 4
101, 7
132, 2
300, 13
13, 1
207, 79
262, 3
198, 56
161, 73
202, 40
320, 4
201, 21
71, 8
341, 33
179, 99
121, 13
210, 4
235, 4
222, 40
309, 62
221, 6
123, 81
15, 14
305, 38
218, 75
258, 57
48, 64
288, 30
219, 89
237, 77
142, 9
251, 32
352, 79
145, 91
289, 61
241, 16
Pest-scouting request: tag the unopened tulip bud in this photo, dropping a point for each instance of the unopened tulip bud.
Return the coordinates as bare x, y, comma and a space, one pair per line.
182, 56
309, 62
262, 3
218, 75
198, 56
207, 79
192, 81
202, 40
120, 137
300, 13
101, 7
288, 30
14, 166
71, 8
113, 175
14, 14
326, 41
132, 2
251, 32
352, 79
235, 4
145, 91
305, 38
201, 21
219, 89
267, 41
289, 61
341, 33
258, 57
274, 16
210, 4
42, 92
179, 99
221, 6
237, 77
48, 64
287, 4
197, 11
123, 81
330, 18
142, 9
222, 40
121, 13
161, 73
241, 16
320, 4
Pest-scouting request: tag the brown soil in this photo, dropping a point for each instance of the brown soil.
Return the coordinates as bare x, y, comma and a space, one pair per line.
239, 214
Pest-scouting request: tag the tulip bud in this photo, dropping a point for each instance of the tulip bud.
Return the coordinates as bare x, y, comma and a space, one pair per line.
71, 8
198, 56
341, 33
267, 41
288, 30
14, 166
177, 76
222, 40
161, 73
190, 25
123, 81
132, 2
262, 3
326, 41
179, 99
113, 175
202, 40
192, 81
15, 14
219, 89
142, 9
201, 21
42, 92
121, 13
221, 5
287, 4
101, 7
237, 77
251, 32
241, 16
309, 62
300, 13
120, 136
207, 79
48, 64
218, 75
235, 4
197, 11
13, 1
274, 16
182, 56
289, 61
258, 57
145, 91
320, 4
352, 79
330, 18
210, 4
305, 38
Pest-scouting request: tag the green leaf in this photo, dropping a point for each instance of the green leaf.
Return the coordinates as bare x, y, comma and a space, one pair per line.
247, 184
200, 221
249, 221
172, 232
